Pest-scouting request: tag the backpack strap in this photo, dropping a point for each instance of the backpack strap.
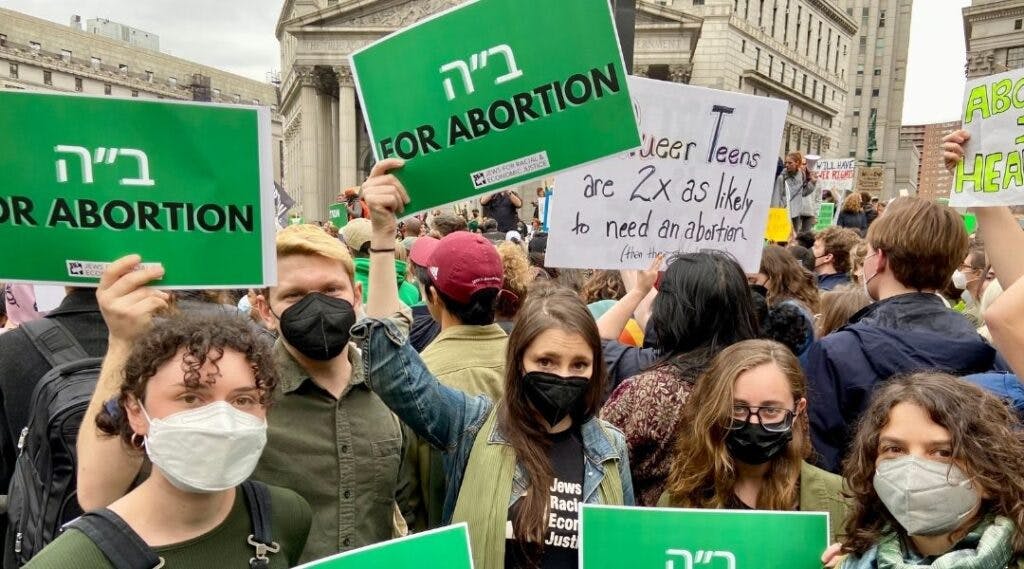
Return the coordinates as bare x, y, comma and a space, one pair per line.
257, 497
118, 542
54, 341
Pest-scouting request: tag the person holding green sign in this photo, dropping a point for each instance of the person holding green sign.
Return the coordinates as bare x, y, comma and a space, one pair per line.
518, 468
745, 439
936, 473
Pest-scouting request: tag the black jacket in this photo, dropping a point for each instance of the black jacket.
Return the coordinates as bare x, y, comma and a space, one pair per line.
906, 333
856, 221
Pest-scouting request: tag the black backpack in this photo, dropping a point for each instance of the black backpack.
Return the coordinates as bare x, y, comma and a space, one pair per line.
42, 496
126, 550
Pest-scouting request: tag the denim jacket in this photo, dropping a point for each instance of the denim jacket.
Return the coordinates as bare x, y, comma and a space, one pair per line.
450, 420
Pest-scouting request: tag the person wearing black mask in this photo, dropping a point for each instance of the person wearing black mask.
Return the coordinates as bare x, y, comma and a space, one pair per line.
329, 438
745, 439
518, 467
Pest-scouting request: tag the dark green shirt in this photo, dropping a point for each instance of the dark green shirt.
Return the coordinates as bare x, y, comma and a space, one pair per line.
223, 546
350, 458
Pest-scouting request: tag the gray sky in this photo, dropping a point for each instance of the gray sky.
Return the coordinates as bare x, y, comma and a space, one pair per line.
238, 36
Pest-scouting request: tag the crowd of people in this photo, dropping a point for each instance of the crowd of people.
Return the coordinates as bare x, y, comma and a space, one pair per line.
404, 375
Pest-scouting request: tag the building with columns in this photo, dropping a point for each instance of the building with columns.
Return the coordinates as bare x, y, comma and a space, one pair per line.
994, 32
797, 50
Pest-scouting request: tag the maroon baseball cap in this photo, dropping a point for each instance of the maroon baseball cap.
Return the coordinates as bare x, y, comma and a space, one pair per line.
422, 249
462, 264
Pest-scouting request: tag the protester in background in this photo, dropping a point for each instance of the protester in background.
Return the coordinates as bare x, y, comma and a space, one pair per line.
812, 200
473, 225
880, 209
838, 306
527, 459
537, 248
703, 305
788, 282
828, 197
502, 207
936, 476
603, 285
517, 280
413, 230
22, 365
969, 280
193, 386
743, 440
805, 239
354, 206
461, 278
857, 256
788, 325
832, 256
852, 215
791, 188
868, 206
912, 252
803, 255
356, 235
447, 223
489, 227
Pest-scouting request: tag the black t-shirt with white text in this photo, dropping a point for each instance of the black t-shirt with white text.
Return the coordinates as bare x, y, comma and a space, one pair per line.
561, 541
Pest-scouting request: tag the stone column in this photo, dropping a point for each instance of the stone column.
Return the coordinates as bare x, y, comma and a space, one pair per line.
348, 147
309, 176
679, 73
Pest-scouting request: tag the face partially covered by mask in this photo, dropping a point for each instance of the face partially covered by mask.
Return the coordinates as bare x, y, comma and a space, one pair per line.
318, 326
555, 397
207, 449
926, 497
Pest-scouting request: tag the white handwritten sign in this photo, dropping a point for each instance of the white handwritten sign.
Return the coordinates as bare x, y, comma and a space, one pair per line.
992, 171
836, 176
702, 180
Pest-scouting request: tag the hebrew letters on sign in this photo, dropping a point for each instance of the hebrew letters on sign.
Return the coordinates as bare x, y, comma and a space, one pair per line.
702, 558
476, 62
103, 156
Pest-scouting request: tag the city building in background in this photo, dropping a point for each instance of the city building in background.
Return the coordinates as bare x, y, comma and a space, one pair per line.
994, 32
878, 72
797, 50
933, 179
40, 55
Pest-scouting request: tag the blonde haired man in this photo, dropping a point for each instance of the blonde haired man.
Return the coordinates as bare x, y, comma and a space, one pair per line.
912, 252
330, 438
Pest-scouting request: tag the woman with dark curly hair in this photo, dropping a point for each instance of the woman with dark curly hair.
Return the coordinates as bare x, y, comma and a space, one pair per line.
936, 475
194, 399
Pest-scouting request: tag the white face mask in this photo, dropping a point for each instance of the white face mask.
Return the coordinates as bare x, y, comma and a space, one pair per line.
926, 497
959, 279
209, 449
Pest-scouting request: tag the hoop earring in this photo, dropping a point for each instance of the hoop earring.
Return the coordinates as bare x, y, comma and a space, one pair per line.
138, 445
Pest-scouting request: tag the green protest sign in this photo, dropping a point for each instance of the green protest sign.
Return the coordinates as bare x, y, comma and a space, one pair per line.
970, 222
446, 547
826, 213
85, 180
496, 92
703, 539
338, 214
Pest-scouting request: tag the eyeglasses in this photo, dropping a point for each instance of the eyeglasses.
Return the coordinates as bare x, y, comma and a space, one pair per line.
771, 419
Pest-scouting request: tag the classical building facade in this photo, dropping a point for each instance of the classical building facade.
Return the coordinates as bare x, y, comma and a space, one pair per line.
878, 70
791, 49
40, 55
994, 31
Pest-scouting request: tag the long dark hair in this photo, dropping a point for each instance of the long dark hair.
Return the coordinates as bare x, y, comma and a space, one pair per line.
547, 307
987, 440
703, 305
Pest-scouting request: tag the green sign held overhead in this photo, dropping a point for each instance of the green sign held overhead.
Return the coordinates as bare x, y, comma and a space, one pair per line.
86, 180
507, 91
701, 539
826, 213
447, 547
338, 214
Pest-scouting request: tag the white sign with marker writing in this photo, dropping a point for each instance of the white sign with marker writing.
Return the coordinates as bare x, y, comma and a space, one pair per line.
702, 180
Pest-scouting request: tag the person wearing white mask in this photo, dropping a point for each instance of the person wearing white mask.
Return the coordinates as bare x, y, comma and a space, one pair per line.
936, 475
970, 278
194, 400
